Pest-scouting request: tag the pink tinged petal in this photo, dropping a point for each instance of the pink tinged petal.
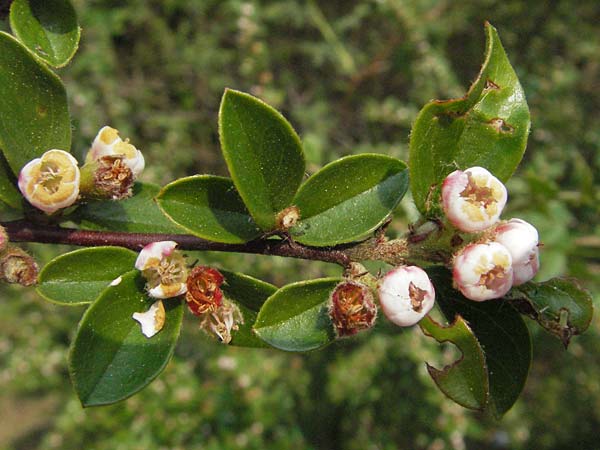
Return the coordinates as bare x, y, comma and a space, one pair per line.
151, 321
406, 295
521, 239
483, 271
152, 253
473, 199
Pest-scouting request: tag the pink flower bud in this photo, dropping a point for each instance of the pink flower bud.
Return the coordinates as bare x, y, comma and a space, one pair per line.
406, 295
473, 199
352, 308
164, 269
521, 239
109, 143
50, 182
483, 271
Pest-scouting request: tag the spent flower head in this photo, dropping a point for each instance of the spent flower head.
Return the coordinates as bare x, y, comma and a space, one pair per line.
222, 321
164, 269
351, 308
50, 182
204, 293
522, 241
109, 143
406, 295
473, 199
483, 271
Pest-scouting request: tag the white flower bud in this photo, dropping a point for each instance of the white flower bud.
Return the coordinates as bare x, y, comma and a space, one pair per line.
164, 269
483, 271
153, 320
521, 239
108, 143
50, 182
406, 295
473, 199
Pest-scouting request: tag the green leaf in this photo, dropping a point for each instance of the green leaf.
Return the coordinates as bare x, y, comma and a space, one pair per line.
466, 380
349, 199
263, 153
110, 358
296, 317
138, 214
488, 127
559, 305
248, 294
81, 276
502, 334
9, 194
209, 207
48, 28
34, 110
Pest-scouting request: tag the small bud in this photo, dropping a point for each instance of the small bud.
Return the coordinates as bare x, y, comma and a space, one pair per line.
483, 271
3, 239
107, 178
288, 218
521, 239
351, 308
474, 199
204, 293
153, 320
50, 182
108, 143
164, 269
225, 319
406, 295
17, 266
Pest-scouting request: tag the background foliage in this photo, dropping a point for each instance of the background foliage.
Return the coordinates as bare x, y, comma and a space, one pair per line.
351, 77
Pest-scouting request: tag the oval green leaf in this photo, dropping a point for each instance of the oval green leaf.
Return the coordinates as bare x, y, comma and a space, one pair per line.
502, 334
248, 294
349, 199
80, 276
561, 306
296, 317
48, 28
110, 359
465, 381
34, 110
9, 194
488, 127
209, 207
263, 153
138, 214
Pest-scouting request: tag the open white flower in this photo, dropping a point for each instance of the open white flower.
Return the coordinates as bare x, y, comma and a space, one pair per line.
406, 295
483, 271
153, 320
109, 143
473, 199
521, 239
50, 182
164, 269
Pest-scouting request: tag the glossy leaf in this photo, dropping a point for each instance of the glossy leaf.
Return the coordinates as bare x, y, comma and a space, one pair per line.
263, 153
296, 317
209, 207
559, 305
502, 334
349, 199
9, 193
466, 380
48, 28
488, 127
110, 359
248, 294
81, 276
34, 111
138, 214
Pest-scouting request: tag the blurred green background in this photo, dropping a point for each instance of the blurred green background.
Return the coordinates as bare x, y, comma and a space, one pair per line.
351, 77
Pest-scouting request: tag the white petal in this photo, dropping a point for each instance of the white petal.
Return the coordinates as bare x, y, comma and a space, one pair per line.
153, 320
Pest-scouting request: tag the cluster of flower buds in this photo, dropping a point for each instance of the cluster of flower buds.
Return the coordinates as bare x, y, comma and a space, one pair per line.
507, 255
218, 316
54, 181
